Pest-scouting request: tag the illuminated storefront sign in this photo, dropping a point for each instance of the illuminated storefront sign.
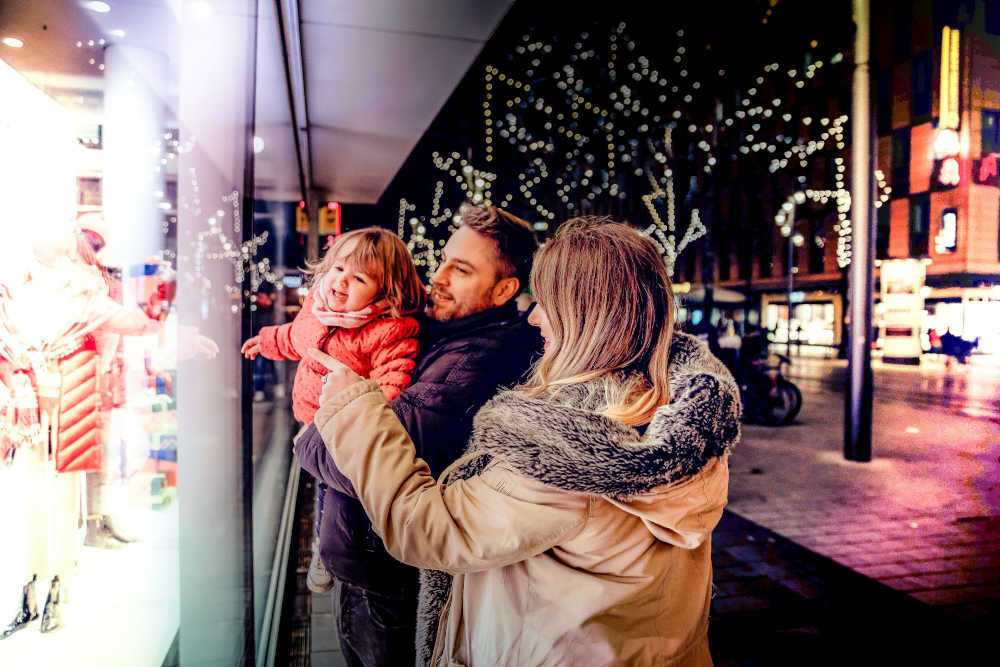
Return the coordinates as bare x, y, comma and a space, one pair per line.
947, 238
950, 78
902, 283
985, 170
947, 144
948, 172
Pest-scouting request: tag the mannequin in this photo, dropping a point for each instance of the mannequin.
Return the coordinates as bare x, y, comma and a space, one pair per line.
48, 319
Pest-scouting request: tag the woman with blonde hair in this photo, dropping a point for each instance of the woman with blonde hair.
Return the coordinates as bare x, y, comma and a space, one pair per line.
577, 528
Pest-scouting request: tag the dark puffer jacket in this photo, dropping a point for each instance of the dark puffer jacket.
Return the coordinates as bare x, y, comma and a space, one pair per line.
462, 364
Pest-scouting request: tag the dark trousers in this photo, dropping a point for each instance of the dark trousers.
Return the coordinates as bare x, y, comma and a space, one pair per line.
374, 630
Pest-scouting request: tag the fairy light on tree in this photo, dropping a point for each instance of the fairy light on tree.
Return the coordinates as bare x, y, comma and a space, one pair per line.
590, 124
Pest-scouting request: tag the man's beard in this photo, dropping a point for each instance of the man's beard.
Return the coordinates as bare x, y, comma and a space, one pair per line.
443, 308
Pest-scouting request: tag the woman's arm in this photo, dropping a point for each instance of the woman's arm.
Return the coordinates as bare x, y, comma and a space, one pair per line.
493, 519
310, 452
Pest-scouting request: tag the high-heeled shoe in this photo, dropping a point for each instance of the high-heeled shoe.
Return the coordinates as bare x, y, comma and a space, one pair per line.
28, 611
103, 531
51, 618
113, 526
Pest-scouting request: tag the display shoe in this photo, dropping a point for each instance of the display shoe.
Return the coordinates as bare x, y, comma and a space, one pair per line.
113, 526
318, 579
103, 532
28, 611
51, 618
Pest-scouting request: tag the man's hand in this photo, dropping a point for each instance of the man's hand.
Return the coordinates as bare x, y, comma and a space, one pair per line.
339, 377
251, 348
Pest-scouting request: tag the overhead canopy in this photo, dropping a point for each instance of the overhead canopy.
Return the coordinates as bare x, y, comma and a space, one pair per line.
720, 295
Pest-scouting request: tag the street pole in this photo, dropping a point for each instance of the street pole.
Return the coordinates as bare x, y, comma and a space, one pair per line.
790, 265
858, 406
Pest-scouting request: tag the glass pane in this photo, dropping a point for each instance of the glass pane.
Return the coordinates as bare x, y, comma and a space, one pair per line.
271, 298
120, 406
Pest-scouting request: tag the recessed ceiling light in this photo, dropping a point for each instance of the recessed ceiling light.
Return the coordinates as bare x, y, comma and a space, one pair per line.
13, 42
95, 6
200, 10
117, 32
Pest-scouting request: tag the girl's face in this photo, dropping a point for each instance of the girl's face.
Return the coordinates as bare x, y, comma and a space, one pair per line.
350, 288
540, 319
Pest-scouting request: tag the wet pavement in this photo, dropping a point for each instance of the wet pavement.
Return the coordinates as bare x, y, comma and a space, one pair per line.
778, 603
922, 519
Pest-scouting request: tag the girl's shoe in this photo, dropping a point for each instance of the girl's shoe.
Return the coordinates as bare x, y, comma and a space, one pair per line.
319, 579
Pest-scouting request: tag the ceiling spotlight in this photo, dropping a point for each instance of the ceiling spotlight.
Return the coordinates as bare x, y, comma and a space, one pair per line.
117, 32
200, 10
12, 42
96, 6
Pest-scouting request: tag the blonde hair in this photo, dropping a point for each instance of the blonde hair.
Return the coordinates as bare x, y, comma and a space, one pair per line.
610, 304
383, 256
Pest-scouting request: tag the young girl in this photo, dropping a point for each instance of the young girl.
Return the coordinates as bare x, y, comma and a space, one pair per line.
359, 310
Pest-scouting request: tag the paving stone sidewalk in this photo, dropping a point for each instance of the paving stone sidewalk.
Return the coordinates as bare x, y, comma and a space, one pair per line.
778, 603
922, 519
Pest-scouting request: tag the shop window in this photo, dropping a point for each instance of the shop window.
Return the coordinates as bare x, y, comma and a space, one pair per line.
902, 31
884, 104
882, 225
947, 238
901, 162
920, 219
923, 66
990, 131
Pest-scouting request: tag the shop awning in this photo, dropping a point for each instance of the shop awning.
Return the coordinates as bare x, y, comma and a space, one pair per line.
720, 295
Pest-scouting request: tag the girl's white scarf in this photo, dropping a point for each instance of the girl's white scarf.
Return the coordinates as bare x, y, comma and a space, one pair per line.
352, 320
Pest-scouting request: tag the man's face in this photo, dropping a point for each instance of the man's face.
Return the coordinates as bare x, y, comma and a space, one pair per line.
464, 282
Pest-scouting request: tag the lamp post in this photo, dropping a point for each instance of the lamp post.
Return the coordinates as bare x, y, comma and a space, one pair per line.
787, 221
858, 403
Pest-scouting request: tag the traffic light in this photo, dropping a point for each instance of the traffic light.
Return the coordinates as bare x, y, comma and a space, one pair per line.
301, 218
329, 219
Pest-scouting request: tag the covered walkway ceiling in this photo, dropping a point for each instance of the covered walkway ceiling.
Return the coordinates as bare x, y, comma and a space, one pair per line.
364, 81
345, 88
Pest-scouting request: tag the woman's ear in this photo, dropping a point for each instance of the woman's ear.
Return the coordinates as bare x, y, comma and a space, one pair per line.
505, 290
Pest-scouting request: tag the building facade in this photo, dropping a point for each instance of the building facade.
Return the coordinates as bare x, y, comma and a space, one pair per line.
936, 108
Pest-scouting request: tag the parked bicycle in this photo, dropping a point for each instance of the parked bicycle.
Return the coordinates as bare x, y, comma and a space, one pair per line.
768, 396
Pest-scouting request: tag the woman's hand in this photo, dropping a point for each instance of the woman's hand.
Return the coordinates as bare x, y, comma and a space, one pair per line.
251, 348
339, 377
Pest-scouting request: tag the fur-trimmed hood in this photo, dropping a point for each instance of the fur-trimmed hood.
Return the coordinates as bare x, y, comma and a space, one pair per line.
563, 441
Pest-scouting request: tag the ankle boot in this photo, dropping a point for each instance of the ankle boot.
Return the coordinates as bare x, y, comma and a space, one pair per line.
113, 527
103, 531
51, 618
28, 611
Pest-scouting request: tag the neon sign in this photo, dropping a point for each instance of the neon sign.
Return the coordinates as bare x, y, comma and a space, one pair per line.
949, 174
986, 171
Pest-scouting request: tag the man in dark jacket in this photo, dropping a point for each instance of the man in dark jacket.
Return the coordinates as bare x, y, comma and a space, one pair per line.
472, 342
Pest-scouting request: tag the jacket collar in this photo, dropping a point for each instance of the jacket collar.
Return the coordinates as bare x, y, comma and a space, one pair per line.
432, 331
563, 441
